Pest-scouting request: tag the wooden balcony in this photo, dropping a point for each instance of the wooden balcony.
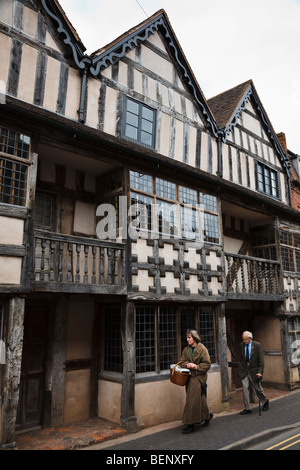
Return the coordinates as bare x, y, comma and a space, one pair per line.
253, 278
64, 263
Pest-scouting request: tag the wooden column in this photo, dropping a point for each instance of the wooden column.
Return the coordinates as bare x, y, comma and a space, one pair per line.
12, 370
128, 420
222, 349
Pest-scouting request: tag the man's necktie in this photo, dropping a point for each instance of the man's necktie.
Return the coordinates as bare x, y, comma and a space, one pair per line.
247, 353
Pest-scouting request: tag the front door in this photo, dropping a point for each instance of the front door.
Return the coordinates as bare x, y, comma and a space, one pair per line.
33, 368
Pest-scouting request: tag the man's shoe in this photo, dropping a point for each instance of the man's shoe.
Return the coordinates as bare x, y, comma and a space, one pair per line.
207, 421
188, 429
246, 412
266, 405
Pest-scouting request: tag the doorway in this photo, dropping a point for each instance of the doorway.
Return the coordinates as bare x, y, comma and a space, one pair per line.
31, 398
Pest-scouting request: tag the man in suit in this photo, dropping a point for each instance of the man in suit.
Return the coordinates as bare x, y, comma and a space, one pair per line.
251, 370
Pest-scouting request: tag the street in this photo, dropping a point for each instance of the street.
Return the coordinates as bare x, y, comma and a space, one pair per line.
226, 432
289, 440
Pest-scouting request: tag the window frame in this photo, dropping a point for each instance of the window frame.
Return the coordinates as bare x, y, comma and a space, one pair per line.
265, 175
139, 126
289, 251
196, 318
206, 207
15, 161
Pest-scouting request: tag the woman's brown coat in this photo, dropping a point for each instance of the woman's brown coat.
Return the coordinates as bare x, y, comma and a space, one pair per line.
196, 409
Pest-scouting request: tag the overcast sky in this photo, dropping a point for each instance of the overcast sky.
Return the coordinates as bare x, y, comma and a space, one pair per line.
226, 42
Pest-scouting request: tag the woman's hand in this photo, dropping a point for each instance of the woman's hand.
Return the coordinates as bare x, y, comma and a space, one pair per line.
191, 365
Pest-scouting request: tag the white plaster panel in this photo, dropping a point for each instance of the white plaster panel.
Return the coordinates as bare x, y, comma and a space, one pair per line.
142, 280
28, 66
122, 79
92, 118
193, 284
77, 395
51, 86
157, 64
252, 124
164, 144
192, 145
204, 151
10, 272
110, 111
169, 282
179, 141
30, 22
6, 8
165, 96
5, 47
50, 42
138, 81
156, 40
73, 94
142, 250
109, 400
11, 231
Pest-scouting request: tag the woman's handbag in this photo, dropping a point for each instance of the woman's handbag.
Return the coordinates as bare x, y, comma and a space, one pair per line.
178, 375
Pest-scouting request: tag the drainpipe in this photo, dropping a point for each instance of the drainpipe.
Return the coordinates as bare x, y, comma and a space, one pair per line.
83, 97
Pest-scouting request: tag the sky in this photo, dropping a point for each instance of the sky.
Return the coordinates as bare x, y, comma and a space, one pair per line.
226, 42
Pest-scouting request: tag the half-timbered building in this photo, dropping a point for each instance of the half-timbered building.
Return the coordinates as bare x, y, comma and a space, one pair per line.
131, 209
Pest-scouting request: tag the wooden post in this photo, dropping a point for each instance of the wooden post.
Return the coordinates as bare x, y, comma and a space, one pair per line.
128, 420
222, 347
12, 370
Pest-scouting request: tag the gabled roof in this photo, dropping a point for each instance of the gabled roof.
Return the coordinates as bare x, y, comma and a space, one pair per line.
65, 28
227, 107
159, 21
225, 104
117, 49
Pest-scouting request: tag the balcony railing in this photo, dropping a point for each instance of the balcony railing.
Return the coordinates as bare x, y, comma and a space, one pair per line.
249, 277
77, 264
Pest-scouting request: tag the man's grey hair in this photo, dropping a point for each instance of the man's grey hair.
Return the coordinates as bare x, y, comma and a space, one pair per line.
248, 333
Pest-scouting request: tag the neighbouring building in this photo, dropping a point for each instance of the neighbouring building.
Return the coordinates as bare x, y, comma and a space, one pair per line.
131, 209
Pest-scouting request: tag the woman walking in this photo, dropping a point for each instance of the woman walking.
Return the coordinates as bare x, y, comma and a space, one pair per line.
195, 357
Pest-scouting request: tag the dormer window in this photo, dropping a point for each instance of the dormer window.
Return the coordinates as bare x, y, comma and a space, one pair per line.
139, 125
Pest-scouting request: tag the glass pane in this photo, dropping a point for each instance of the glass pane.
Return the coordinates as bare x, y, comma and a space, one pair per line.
132, 119
165, 189
147, 126
188, 196
189, 223
210, 228
145, 339
141, 182
167, 219
167, 337
132, 107
131, 132
147, 114
113, 355
206, 331
146, 139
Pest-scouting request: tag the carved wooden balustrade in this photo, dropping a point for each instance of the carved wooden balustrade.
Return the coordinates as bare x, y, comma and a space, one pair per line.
252, 277
66, 263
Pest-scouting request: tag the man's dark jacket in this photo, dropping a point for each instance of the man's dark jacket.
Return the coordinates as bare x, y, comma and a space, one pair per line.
256, 365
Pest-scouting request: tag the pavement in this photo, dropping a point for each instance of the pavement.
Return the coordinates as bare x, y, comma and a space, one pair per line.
227, 431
